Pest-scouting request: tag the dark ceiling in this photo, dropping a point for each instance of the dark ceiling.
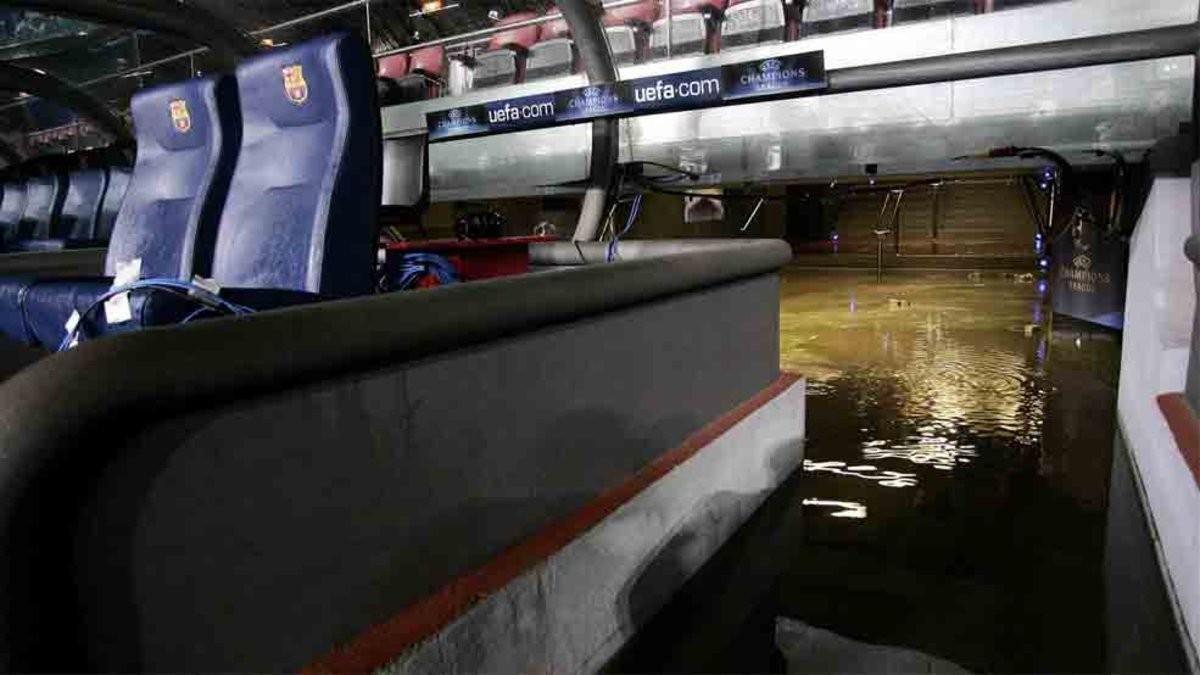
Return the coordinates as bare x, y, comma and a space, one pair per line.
112, 61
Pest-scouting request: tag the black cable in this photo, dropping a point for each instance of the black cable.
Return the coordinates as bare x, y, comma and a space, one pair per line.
720, 196
674, 169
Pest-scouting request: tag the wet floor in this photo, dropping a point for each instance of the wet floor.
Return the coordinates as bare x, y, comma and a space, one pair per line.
952, 499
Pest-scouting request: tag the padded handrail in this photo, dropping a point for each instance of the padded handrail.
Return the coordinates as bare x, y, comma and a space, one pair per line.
264, 351
69, 406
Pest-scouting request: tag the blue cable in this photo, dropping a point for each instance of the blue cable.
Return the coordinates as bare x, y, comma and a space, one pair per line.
610, 253
414, 266
209, 300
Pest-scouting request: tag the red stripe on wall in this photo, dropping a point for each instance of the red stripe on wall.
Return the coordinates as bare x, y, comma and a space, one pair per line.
1185, 426
382, 643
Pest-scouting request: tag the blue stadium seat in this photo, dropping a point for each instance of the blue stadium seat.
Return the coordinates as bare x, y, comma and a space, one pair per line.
299, 221
43, 202
12, 205
302, 209
110, 206
187, 136
76, 225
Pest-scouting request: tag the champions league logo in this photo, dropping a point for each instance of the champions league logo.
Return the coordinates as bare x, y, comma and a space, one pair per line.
457, 118
771, 73
1083, 261
593, 98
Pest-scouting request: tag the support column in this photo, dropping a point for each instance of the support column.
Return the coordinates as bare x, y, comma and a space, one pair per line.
584, 19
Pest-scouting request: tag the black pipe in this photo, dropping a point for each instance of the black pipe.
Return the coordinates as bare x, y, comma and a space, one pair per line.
182, 19
583, 18
44, 85
1075, 53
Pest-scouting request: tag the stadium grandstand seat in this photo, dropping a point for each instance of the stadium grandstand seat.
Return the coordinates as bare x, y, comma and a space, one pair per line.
429, 63
908, 11
43, 202
414, 76
694, 28
110, 206
503, 61
391, 73
836, 16
76, 223
752, 22
187, 136
296, 225
12, 205
554, 53
629, 28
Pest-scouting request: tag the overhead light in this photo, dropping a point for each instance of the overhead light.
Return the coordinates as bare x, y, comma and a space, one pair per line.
433, 7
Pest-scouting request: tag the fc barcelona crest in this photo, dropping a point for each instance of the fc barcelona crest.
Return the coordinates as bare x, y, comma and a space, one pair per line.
180, 116
294, 84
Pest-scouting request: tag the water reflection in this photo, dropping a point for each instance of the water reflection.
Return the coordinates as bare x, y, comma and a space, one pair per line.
892, 479
953, 490
844, 509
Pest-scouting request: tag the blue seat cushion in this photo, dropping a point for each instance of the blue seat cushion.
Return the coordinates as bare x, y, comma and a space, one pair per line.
12, 320
42, 308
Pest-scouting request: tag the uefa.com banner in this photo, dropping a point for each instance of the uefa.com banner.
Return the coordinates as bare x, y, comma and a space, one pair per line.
733, 83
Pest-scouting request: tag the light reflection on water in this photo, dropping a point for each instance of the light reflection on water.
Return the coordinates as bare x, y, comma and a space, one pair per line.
893, 479
933, 371
953, 493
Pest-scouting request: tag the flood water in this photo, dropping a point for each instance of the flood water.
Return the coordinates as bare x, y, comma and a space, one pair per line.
952, 499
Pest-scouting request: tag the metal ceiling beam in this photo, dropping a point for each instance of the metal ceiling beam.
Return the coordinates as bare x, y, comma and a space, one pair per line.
43, 85
181, 19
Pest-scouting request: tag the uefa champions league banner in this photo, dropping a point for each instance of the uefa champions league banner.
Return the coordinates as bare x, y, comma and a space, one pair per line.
776, 77
1088, 276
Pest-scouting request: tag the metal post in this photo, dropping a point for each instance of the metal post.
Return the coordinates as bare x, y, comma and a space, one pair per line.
669, 40
584, 19
896, 219
1050, 211
1192, 246
367, 10
879, 235
934, 215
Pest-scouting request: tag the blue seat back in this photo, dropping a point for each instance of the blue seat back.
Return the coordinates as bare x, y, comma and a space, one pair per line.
187, 137
12, 205
43, 201
302, 208
81, 206
110, 206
